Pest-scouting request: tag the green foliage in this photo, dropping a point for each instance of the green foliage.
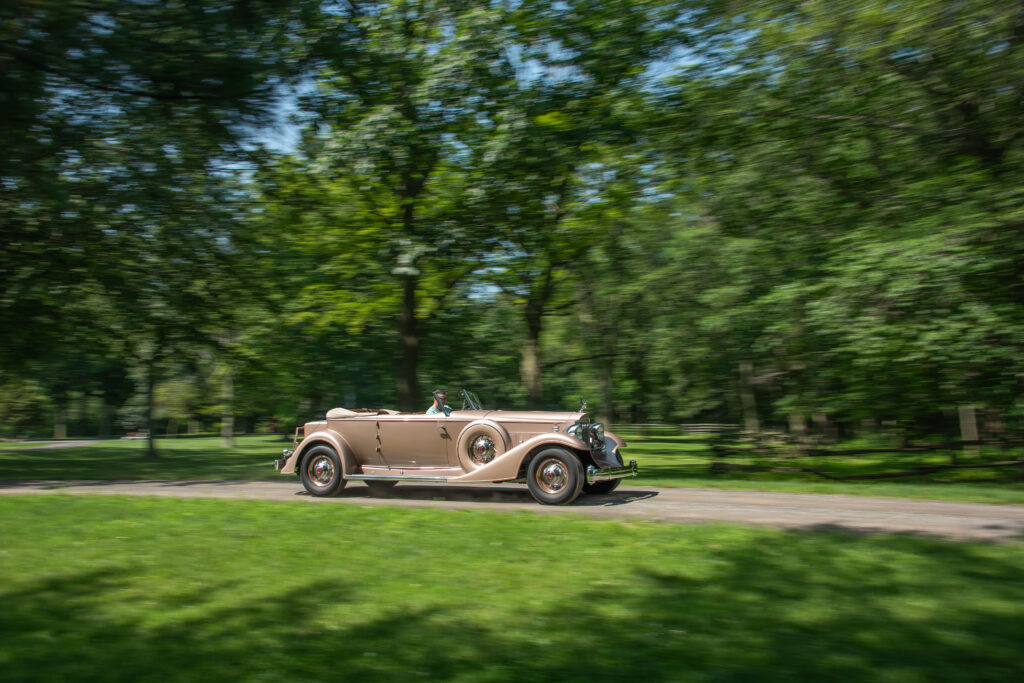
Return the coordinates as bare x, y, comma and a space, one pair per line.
718, 212
858, 190
22, 403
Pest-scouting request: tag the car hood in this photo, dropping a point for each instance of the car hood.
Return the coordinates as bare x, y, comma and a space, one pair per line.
547, 417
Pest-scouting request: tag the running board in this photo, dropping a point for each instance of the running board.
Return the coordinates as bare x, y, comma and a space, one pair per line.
395, 477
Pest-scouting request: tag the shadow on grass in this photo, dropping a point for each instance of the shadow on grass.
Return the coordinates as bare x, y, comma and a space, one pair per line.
788, 608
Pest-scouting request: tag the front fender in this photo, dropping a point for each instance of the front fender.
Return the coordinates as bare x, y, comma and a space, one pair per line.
507, 465
609, 456
327, 437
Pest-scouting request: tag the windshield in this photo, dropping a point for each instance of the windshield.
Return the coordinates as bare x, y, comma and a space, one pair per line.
469, 400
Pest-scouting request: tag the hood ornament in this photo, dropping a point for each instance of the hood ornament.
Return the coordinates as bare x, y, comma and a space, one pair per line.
583, 404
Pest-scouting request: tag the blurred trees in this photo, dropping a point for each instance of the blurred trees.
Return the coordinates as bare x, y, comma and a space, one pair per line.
864, 162
120, 142
774, 214
405, 96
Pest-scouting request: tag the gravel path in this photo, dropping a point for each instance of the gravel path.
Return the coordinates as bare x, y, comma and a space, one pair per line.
963, 521
52, 445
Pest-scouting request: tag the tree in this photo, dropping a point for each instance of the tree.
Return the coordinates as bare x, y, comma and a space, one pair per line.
125, 119
580, 75
407, 93
851, 162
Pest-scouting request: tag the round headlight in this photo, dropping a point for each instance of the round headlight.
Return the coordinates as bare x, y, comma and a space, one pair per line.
597, 429
581, 430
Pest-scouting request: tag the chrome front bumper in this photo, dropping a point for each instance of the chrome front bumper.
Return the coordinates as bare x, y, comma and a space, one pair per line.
594, 474
279, 463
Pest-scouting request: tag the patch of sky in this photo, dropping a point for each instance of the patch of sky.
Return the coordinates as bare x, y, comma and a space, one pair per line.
282, 133
102, 23
482, 291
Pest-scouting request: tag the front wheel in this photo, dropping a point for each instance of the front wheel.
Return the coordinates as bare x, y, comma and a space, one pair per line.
321, 471
554, 477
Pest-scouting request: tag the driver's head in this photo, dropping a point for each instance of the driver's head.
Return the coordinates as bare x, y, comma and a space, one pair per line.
442, 396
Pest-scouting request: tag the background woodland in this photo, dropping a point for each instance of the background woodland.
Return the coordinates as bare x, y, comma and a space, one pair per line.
237, 214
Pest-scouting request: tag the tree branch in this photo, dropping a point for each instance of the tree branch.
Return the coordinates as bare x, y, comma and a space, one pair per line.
578, 360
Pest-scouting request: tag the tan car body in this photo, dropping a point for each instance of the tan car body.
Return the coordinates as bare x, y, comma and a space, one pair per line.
386, 445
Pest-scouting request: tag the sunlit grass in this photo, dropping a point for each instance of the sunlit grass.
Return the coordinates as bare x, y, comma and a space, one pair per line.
180, 458
676, 460
154, 589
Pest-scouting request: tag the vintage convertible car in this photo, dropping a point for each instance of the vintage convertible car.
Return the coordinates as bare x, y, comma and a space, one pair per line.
557, 455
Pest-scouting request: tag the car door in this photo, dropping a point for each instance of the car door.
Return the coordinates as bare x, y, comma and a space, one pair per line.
412, 441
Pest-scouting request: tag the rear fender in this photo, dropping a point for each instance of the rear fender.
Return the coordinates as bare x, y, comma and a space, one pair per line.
508, 465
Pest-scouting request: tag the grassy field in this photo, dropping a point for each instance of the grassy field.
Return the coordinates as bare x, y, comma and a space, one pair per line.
675, 460
665, 460
128, 589
181, 458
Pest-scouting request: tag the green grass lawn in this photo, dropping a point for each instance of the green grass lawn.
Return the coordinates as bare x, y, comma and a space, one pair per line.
130, 589
667, 460
181, 458
664, 461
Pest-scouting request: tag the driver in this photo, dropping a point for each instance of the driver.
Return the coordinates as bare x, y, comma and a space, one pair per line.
442, 396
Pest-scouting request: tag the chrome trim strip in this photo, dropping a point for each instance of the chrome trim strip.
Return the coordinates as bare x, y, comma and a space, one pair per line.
595, 475
394, 477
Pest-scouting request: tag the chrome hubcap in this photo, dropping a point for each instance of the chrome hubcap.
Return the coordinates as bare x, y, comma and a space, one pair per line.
481, 451
552, 476
321, 470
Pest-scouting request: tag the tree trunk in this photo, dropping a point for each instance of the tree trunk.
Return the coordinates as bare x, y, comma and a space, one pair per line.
60, 422
150, 422
969, 429
408, 382
798, 424
642, 412
106, 418
824, 428
750, 422
529, 371
529, 363
607, 371
227, 423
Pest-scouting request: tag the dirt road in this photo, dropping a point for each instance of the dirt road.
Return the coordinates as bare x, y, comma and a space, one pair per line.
965, 521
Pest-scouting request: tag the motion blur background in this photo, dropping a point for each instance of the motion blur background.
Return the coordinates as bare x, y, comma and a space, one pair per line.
238, 214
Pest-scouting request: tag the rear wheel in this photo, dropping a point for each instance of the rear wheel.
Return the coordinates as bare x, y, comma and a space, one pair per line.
554, 477
321, 471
